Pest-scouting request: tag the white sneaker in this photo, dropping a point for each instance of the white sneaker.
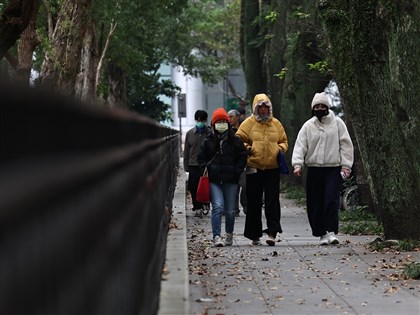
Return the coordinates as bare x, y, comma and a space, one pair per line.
324, 240
217, 241
229, 239
332, 239
256, 242
271, 240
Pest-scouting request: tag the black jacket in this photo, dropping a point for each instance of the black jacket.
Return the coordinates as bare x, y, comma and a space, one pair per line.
230, 157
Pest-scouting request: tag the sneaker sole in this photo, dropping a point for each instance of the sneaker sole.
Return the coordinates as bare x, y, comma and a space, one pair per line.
335, 242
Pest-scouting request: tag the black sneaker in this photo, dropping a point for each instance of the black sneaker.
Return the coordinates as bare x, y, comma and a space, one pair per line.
206, 209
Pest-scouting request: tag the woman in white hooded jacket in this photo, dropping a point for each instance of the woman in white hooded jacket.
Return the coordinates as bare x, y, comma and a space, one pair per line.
324, 145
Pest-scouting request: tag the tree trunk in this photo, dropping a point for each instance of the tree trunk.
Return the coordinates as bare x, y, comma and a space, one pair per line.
85, 82
14, 19
364, 193
300, 82
117, 96
254, 74
61, 65
375, 47
276, 50
27, 45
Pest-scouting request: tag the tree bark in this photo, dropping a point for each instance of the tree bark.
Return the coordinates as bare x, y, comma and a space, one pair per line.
98, 71
276, 49
117, 94
14, 19
61, 65
375, 47
305, 38
85, 81
26, 47
254, 74
49, 19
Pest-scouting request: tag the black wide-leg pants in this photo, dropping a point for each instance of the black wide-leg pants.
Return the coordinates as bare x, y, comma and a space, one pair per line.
265, 182
323, 185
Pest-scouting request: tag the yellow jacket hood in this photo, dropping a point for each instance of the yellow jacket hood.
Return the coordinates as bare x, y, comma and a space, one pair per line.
262, 99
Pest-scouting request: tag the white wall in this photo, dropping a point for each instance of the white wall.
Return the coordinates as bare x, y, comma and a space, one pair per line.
193, 88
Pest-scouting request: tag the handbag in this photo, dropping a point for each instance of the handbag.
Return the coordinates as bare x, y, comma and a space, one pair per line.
282, 163
203, 189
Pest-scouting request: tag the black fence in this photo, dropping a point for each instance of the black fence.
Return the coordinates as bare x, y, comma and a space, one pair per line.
85, 202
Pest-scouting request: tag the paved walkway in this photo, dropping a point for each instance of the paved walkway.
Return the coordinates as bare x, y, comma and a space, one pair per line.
296, 276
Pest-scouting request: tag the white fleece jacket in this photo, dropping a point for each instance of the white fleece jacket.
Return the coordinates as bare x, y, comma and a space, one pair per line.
323, 144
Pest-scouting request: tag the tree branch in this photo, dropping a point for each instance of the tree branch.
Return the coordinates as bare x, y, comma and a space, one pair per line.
50, 19
101, 60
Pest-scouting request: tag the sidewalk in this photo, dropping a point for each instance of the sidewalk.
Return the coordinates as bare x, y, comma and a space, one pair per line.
297, 276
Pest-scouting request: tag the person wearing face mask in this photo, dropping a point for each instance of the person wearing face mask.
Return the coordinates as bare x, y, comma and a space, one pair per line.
224, 155
264, 137
193, 139
324, 145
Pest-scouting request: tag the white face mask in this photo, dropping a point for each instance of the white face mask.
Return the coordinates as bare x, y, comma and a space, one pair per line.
221, 127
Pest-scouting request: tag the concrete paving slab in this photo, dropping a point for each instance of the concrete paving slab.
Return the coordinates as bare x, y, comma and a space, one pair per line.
296, 276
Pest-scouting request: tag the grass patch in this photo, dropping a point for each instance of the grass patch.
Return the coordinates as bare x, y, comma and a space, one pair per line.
408, 245
381, 245
359, 222
412, 270
296, 193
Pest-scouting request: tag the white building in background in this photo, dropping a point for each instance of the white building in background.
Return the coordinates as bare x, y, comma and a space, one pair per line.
199, 95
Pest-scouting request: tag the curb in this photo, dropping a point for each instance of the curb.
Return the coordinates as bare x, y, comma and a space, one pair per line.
174, 292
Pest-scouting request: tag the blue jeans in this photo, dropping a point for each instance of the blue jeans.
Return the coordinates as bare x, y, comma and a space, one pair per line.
223, 201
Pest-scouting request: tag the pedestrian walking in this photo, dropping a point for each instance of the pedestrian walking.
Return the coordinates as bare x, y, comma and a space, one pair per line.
224, 155
264, 137
193, 139
234, 119
324, 145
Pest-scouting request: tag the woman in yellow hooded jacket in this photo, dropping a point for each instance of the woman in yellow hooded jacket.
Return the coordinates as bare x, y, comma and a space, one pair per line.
264, 137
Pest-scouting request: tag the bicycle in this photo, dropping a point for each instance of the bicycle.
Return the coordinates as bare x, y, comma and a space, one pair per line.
349, 195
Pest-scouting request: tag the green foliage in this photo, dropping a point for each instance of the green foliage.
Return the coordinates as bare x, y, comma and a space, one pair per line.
296, 193
359, 222
263, 23
292, 39
322, 66
408, 245
200, 36
271, 16
396, 245
146, 100
300, 14
44, 46
282, 73
412, 270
